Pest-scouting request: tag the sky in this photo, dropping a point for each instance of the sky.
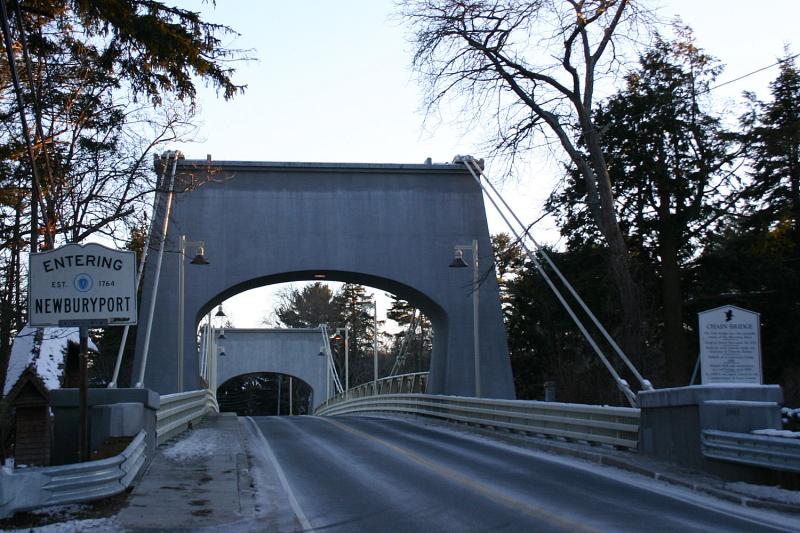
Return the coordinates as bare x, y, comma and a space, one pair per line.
331, 82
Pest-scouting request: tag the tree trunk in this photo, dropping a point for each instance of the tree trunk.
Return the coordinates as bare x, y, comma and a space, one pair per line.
676, 362
631, 338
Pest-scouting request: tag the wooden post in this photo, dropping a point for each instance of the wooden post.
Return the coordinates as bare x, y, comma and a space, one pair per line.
83, 395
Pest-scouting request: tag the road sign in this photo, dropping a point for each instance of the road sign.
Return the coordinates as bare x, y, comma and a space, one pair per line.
82, 284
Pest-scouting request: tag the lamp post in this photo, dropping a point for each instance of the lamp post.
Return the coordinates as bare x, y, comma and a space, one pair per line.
374, 343
458, 262
338, 336
198, 259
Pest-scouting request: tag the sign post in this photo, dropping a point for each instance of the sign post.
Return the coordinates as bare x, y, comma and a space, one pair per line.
85, 286
730, 346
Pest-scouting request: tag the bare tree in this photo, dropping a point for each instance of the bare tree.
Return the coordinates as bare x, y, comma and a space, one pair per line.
533, 67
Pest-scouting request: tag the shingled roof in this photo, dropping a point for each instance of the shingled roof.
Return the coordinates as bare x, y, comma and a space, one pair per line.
43, 351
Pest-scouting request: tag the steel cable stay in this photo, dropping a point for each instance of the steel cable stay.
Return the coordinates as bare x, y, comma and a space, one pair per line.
139, 274
475, 170
408, 338
326, 346
174, 156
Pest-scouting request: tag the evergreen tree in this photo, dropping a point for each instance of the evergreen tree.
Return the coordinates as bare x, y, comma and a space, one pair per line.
755, 262
773, 132
412, 346
105, 84
307, 307
352, 310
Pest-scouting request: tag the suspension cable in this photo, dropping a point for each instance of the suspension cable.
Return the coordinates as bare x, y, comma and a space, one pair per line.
142, 262
645, 384
621, 383
327, 347
149, 328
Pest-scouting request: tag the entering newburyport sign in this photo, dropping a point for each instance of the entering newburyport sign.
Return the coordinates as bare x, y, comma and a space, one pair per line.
79, 283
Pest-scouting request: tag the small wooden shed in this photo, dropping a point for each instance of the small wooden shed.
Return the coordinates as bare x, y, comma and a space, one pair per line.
42, 359
30, 399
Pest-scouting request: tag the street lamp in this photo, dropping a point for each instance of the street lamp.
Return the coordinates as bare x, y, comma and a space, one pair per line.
458, 262
198, 259
337, 337
220, 313
374, 343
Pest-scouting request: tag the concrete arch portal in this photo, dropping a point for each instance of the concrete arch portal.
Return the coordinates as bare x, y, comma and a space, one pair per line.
392, 227
294, 352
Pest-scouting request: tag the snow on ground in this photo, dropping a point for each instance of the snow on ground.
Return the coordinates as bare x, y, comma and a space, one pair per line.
775, 494
778, 433
201, 442
61, 510
75, 526
67, 521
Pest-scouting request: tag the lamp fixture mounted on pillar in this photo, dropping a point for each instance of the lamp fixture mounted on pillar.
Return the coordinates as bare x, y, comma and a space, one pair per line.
458, 262
198, 259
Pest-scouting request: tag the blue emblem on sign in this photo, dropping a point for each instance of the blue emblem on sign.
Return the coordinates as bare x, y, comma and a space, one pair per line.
83, 282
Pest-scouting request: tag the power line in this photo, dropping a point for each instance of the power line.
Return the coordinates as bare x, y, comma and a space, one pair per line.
749, 74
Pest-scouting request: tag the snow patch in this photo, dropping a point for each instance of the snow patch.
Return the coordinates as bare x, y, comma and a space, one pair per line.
763, 492
200, 443
75, 526
61, 510
777, 433
741, 403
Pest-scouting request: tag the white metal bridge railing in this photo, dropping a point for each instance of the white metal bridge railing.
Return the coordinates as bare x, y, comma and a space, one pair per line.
616, 426
404, 383
179, 410
766, 451
31, 488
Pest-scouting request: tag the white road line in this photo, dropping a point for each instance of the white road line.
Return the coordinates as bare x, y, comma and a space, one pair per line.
304, 523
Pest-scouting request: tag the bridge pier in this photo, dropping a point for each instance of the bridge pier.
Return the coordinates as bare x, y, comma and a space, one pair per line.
673, 420
112, 413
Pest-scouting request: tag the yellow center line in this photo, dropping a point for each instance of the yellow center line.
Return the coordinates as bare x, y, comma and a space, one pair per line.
475, 485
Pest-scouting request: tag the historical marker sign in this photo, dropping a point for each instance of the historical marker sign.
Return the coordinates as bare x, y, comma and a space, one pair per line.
730, 345
82, 283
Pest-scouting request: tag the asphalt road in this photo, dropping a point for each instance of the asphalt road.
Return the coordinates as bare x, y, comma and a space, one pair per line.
365, 474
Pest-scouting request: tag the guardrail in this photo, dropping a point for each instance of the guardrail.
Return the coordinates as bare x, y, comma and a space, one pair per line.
30, 488
410, 383
616, 426
179, 410
773, 452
